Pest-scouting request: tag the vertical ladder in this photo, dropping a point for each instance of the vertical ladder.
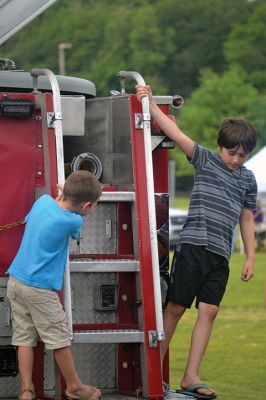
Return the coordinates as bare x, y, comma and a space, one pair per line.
150, 197
54, 120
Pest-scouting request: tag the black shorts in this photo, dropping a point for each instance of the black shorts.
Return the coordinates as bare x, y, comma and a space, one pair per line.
197, 273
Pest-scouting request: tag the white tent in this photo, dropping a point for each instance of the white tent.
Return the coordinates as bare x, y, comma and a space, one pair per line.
257, 164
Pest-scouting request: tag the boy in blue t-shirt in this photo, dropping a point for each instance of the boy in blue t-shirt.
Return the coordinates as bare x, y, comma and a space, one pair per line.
36, 274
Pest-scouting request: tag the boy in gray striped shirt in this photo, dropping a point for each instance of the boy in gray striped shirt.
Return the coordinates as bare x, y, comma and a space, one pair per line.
224, 193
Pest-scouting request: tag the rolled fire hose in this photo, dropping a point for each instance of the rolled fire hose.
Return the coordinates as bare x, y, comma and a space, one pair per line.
88, 162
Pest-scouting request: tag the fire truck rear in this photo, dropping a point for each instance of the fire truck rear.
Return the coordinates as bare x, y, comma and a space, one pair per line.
117, 273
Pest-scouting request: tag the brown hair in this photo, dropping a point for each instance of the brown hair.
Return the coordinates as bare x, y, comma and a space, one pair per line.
81, 186
237, 132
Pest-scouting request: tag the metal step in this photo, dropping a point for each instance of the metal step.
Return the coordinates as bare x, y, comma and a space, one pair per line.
117, 196
105, 266
172, 395
109, 336
114, 396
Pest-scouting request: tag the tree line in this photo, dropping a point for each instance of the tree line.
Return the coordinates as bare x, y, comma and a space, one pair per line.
212, 52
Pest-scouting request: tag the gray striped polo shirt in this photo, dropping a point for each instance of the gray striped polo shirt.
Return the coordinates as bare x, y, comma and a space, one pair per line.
217, 198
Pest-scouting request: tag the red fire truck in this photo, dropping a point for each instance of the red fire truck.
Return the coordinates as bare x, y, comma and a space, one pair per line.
118, 269
117, 274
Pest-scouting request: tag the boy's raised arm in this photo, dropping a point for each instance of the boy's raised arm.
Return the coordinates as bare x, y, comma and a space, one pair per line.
166, 124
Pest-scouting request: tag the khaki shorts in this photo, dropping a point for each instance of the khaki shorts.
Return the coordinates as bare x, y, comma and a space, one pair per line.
37, 312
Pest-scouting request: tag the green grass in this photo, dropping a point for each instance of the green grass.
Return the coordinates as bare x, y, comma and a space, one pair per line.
181, 202
235, 361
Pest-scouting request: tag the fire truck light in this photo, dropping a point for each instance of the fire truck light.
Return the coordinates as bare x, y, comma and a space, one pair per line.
19, 107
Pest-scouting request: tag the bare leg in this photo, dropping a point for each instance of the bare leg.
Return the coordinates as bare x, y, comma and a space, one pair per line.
199, 341
25, 364
172, 315
75, 388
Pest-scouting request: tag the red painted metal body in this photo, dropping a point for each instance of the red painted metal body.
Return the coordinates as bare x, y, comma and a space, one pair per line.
28, 168
22, 171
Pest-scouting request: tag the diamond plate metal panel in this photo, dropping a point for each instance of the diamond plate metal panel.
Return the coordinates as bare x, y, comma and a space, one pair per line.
9, 385
84, 287
169, 396
49, 372
5, 314
96, 364
111, 396
172, 395
98, 233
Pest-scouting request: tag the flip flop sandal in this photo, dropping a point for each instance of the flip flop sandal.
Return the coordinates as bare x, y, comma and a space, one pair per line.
192, 391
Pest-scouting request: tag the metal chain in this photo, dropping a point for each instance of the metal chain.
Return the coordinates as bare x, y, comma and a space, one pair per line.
8, 226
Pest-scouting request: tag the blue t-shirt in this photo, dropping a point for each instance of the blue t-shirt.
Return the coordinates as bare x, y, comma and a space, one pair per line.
42, 256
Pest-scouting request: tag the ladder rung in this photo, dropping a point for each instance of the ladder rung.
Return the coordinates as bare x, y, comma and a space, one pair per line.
109, 336
108, 394
172, 395
117, 196
104, 266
